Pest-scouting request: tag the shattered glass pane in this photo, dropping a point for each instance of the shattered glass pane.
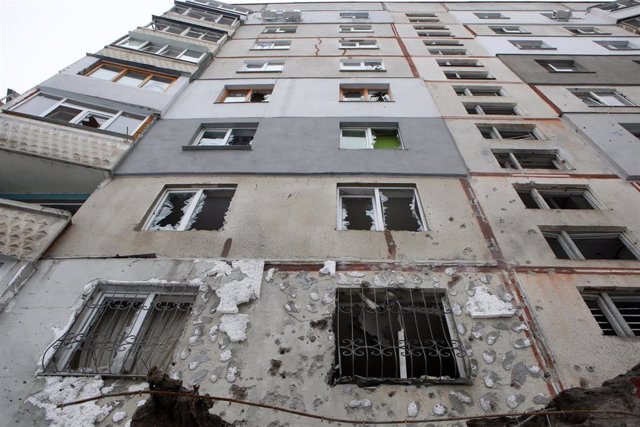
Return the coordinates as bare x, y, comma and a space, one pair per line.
170, 214
358, 213
211, 210
400, 210
385, 139
63, 113
241, 137
379, 96
352, 95
260, 96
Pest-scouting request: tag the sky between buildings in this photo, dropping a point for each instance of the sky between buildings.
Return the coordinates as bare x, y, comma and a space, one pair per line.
38, 38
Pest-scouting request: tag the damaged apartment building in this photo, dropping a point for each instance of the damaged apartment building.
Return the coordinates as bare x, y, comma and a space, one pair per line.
407, 212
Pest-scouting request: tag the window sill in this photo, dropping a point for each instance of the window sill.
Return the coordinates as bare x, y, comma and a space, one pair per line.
571, 72
368, 102
216, 147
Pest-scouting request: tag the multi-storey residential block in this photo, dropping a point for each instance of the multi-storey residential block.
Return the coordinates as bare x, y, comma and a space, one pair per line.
357, 211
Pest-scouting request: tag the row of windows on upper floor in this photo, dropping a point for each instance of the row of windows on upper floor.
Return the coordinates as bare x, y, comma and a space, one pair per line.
79, 113
398, 208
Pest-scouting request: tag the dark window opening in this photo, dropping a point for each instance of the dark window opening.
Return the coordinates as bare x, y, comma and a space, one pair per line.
589, 245
399, 211
359, 213
529, 160
400, 336
569, 198
598, 314
617, 313
214, 209
63, 113
182, 210
632, 128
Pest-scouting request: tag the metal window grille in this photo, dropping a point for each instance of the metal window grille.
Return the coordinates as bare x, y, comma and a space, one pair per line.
123, 330
396, 336
616, 314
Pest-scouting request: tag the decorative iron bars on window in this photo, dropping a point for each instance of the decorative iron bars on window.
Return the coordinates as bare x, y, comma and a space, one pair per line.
122, 330
396, 336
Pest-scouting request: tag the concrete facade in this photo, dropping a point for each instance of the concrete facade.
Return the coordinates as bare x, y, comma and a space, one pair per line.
508, 207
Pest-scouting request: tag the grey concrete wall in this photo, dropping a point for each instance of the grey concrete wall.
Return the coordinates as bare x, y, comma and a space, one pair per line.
297, 146
274, 218
601, 69
304, 98
611, 139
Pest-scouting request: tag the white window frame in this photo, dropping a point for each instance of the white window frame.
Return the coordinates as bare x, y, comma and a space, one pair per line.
468, 90
528, 45
362, 65
583, 31
509, 29
359, 44
369, 136
267, 66
538, 193
378, 219
558, 68
356, 28
225, 141
446, 52
210, 14
495, 132
595, 95
565, 240
272, 44
354, 15
559, 162
161, 52
480, 111
468, 75
84, 112
611, 45
186, 31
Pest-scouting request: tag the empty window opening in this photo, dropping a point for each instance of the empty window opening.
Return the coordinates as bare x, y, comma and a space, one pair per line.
492, 109
524, 132
590, 245
560, 66
529, 159
358, 44
509, 30
632, 128
447, 52
478, 91
434, 33
272, 45
602, 98
379, 209
191, 209
468, 75
399, 336
617, 313
370, 138
182, 54
618, 45
585, 31
557, 197
530, 44
356, 29
233, 96
365, 94
442, 42
280, 30
458, 63
270, 66
123, 330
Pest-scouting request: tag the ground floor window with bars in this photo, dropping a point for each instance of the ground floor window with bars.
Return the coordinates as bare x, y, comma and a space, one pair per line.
616, 313
123, 330
402, 336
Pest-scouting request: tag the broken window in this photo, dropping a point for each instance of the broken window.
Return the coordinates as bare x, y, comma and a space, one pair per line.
370, 94
492, 109
468, 75
602, 98
512, 132
289, 29
191, 209
356, 29
618, 45
478, 90
272, 45
632, 128
267, 66
353, 138
447, 52
361, 65
560, 66
354, 15
434, 33
556, 197
183, 54
123, 330
172, 27
458, 63
358, 44
404, 336
590, 245
233, 96
530, 44
529, 159
585, 31
509, 30
490, 15
218, 137
617, 313
126, 76
442, 42
378, 209
68, 111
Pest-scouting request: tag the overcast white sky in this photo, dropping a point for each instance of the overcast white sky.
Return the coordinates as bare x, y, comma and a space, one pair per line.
40, 37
